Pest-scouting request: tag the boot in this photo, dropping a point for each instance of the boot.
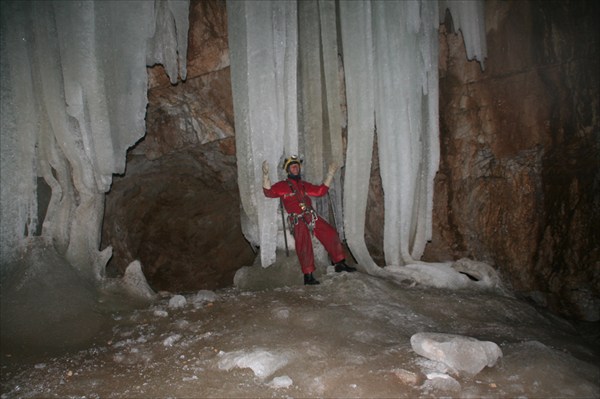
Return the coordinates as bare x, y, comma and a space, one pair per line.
310, 280
341, 266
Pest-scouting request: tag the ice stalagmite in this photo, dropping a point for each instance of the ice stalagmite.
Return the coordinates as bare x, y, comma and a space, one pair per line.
258, 57
357, 47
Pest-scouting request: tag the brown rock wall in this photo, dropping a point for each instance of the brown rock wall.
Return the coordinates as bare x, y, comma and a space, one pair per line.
519, 172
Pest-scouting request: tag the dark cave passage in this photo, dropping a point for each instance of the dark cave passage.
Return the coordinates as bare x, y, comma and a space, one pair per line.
179, 215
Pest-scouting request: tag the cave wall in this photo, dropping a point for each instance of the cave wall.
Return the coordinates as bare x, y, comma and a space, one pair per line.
519, 173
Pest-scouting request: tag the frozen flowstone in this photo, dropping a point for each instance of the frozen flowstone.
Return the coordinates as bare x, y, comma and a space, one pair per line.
465, 355
485, 274
177, 301
263, 363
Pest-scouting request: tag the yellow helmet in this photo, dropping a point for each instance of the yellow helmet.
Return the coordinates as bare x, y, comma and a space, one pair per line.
291, 160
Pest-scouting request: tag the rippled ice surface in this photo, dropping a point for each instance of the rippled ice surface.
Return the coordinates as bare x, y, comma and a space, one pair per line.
348, 337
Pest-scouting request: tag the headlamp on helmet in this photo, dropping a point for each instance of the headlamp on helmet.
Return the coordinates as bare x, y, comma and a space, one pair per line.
290, 161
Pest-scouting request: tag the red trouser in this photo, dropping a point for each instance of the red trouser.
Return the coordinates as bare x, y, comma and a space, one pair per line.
326, 234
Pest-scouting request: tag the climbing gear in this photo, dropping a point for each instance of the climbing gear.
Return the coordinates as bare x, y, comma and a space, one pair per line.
291, 160
287, 251
341, 266
309, 279
308, 215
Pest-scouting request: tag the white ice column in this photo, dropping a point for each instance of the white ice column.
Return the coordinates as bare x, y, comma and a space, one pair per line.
357, 47
332, 132
258, 32
429, 51
406, 118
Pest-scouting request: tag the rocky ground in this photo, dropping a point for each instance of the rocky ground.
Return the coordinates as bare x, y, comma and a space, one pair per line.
350, 336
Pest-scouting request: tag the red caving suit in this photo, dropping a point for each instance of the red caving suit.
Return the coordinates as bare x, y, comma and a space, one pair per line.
294, 193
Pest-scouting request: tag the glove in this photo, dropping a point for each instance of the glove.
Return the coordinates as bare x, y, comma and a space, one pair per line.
266, 179
333, 167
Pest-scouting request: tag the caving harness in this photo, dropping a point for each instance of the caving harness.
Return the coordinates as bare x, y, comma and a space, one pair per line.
308, 215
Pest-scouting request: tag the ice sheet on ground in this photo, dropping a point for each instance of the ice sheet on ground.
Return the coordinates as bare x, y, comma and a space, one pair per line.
348, 337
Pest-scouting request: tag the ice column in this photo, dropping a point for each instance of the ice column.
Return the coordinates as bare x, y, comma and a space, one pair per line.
357, 46
262, 82
406, 66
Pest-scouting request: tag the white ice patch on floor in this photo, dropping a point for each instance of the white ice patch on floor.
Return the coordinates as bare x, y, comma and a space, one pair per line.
262, 362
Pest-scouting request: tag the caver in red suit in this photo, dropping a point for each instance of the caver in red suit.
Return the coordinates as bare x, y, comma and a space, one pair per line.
295, 194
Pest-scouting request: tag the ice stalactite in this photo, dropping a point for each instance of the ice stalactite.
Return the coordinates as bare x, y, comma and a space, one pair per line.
468, 17
263, 80
357, 45
390, 62
319, 111
332, 115
76, 82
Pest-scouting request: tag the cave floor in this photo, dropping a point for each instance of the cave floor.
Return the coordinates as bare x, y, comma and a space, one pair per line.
348, 337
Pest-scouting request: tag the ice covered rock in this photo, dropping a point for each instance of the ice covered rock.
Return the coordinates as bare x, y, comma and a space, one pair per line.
465, 355
262, 362
177, 301
171, 339
281, 382
441, 381
203, 296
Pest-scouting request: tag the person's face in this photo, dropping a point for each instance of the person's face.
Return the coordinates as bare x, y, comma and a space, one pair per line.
294, 169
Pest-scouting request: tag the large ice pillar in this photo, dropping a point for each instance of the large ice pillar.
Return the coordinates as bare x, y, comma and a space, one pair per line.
405, 36
263, 81
74, 82
357, 47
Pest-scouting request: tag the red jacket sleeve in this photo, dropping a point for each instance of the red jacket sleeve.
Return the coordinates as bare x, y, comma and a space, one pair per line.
277, 190
315, 191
